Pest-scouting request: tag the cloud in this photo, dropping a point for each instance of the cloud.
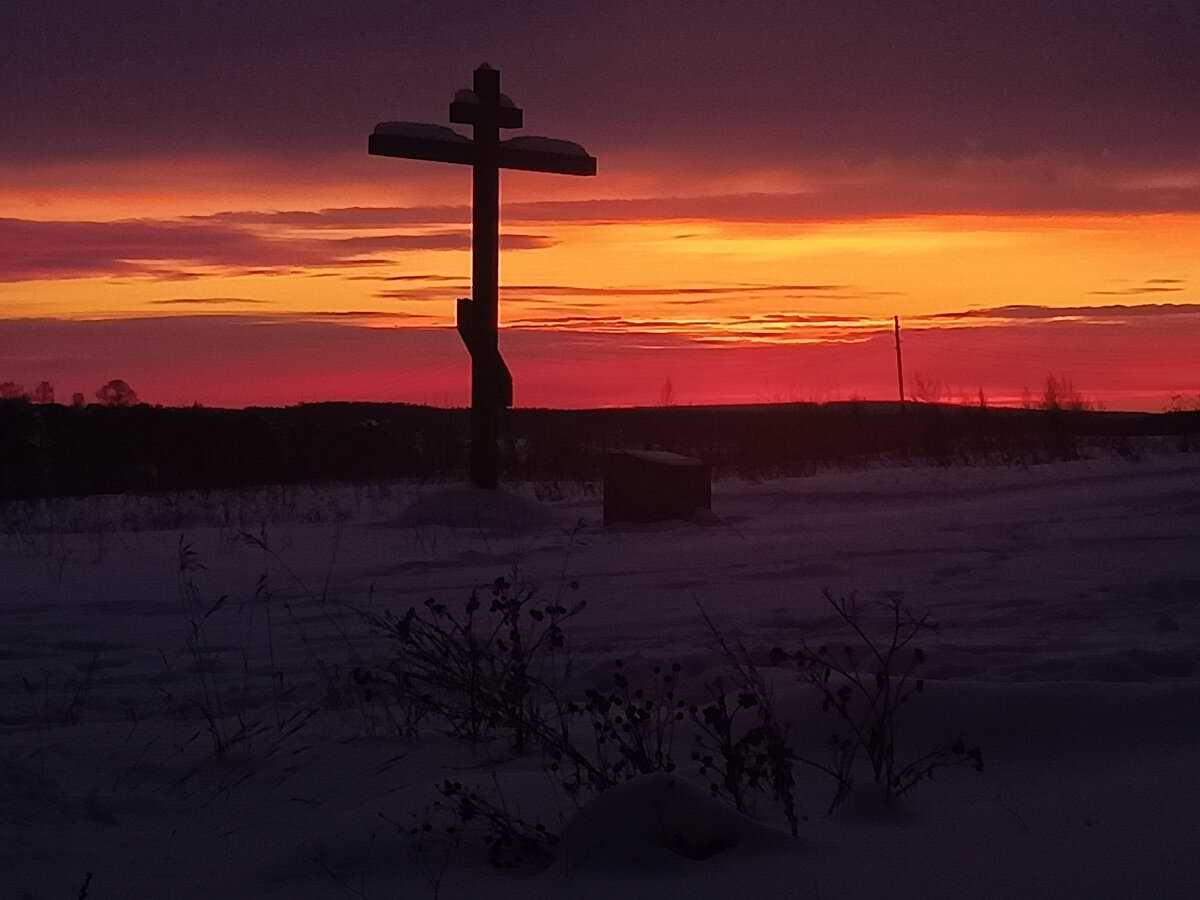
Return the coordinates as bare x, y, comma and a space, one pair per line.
204, 301
1134, 291
682, 295
815, 319
707, 291
1107, 314
346, 217
174, 250
1149, 286
363, 316
775, 328
757, 84
433, 278
832, 191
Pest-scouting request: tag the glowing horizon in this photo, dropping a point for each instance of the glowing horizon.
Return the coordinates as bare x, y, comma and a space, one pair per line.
702, 282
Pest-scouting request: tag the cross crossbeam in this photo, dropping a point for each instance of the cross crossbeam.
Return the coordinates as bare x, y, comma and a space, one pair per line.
486, 110
390, 139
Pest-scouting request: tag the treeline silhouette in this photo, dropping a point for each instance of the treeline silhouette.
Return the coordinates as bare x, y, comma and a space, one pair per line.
48, 450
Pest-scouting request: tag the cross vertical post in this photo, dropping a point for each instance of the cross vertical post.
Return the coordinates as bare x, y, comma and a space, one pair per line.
485, 281
478, 317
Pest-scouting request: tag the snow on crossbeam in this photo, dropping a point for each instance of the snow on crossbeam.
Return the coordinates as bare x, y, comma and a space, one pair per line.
421, 130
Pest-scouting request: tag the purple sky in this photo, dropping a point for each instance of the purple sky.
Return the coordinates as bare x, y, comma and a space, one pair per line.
1110, 82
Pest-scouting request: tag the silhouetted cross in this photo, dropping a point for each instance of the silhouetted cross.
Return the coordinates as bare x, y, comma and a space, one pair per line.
487, 111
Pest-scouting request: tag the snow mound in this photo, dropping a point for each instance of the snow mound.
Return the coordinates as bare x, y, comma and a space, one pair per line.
873, 804
469, 507
658, 819
545, 145
421, 130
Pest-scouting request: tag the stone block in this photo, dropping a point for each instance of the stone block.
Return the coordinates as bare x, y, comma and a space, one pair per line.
654, 486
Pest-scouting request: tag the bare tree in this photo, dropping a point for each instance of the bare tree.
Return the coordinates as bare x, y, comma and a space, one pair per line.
10, 390
1059, 393
43, 393
117, 393
666, 394
925, 388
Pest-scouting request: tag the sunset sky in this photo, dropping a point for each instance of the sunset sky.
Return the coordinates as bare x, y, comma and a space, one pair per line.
187, 203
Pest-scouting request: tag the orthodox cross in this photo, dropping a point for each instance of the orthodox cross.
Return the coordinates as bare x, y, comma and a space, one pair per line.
487, 111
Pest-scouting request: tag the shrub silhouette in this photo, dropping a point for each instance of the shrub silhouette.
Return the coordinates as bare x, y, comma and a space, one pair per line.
116, 393
864, 686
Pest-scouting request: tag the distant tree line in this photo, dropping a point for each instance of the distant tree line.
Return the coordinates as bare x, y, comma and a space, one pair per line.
112, 393
53, 450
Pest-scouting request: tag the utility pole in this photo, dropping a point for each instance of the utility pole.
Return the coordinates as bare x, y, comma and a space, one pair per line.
487, 111
899, 362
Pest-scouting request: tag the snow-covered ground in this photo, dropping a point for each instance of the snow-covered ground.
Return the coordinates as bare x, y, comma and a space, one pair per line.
1068, 597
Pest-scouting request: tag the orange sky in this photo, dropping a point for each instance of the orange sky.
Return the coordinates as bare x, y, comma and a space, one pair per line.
668, 283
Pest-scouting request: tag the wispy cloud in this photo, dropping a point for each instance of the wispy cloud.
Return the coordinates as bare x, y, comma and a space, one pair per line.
834, 192
669, 290
775, 328
435, 278
345, 217
204, 301
1149, 286
181, 250
419, 288
373, 317
1107, 313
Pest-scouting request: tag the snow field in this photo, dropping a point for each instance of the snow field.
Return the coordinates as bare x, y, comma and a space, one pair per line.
1068, 598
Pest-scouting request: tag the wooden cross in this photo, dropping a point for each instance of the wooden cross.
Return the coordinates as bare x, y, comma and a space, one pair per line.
487, 111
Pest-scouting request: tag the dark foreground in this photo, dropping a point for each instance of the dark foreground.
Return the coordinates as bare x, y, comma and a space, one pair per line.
49, 450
